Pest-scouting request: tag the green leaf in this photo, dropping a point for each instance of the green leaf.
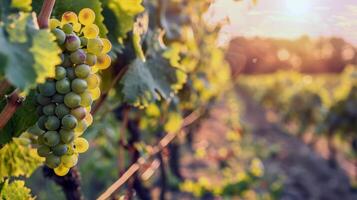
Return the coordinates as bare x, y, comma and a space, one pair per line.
77, 5
31, 54
24, 117
148, 81
24, 5
17, 158
125, 11
16, 190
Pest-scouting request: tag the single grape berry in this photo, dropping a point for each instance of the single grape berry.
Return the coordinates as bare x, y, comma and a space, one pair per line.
60, 36
35, 130
47, 89
42, 100
51, 138
91, 59
53, 161
43, 151
95, 46
49, 109
67, 61
52, 123
78, 57
67, 28
58, 98
79, 85
69, 122
72, 100
86, 99
63, 86
72, 42
79, 113
60, 149
67, 136
70, 73
82, 71
60, 73
41, 122
69, 160
61, 110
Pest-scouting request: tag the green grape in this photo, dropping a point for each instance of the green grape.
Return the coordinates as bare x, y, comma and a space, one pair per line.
67, 28
79, 113
78, 57
69, 122
72, 42
84, 41
60, 150
66, 61
79, 85
39, 110
48, 88
63, 86
82, 71
53, 161
95, 46
58, 98
67, 136
49, 109
52, 123
69, 160
80, 128
91, 59
42, 100
35, 130
61, 110
41, 122
72, 100
43, 151
60, 36
70, 73
86, 99
51, 138
60, 73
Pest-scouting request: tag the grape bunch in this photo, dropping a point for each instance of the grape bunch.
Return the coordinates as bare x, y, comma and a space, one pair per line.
64, 101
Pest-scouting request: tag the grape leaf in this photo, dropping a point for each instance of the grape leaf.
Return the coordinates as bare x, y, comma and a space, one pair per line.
17, 158
16, 190
125, 11
147, 81
24, 5
31, 54
24, 117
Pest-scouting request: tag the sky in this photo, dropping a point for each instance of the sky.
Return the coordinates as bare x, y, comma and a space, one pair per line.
287, 18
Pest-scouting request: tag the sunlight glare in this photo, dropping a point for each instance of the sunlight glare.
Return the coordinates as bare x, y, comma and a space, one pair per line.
298, 7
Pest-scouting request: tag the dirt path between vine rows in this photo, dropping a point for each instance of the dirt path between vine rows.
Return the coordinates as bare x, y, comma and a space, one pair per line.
308, 175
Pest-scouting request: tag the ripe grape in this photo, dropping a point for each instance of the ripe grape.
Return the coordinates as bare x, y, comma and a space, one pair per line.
53, 161
72, 42
64, 101
78, 57
49, 109
82, 71
72, 100
69, 122
63, 86
79, 85
60, 73
51, 138
61, 110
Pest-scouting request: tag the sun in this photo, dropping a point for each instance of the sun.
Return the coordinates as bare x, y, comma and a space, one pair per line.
298, 7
